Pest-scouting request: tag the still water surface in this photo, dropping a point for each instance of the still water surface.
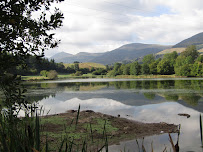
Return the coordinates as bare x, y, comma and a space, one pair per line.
146, 100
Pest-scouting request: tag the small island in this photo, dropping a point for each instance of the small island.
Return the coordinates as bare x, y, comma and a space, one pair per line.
95, 128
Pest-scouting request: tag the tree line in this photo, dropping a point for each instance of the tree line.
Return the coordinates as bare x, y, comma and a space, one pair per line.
187, 63
33, 66
36, 66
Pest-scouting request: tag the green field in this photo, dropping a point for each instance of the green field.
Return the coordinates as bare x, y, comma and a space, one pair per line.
60, 76
88, 65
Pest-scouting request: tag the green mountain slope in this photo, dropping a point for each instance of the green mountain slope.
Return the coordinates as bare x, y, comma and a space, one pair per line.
69, 58
194, 40
129, 52
124, 53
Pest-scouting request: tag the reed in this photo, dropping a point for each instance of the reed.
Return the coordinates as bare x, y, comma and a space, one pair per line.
200, 122
78, 113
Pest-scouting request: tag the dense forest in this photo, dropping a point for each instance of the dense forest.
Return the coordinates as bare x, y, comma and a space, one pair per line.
188, 63
33, 66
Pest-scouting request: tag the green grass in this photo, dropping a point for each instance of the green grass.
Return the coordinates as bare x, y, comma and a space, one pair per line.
99, 126
53, 120
60, 76
92, 133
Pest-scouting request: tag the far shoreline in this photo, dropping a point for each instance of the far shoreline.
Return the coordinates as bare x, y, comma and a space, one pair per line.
68, 76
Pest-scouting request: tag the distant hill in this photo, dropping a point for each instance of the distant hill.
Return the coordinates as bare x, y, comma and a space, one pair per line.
178, 50
181, 46
69, 58
129, 52
60, 56
194, 40
126, 52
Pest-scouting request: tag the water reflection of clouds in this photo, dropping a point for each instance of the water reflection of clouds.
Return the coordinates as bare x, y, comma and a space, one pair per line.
168, 112
97, 104
163, 112
158, 142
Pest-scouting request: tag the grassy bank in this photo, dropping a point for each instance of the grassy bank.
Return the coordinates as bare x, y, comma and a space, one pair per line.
71, 76
146, 76
60, 76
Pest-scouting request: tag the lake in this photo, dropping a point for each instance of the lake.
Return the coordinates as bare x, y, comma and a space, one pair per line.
145, 100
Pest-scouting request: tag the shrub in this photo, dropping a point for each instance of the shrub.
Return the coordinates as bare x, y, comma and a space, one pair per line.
111, 73
44, 73
78, 73
52, 74
100, 72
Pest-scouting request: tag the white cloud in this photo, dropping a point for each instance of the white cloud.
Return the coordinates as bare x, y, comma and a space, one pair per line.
99, 26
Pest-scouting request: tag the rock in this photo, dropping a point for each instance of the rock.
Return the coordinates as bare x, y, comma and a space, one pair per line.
72, 111
90, 111
184, 114
125, 128
113, 133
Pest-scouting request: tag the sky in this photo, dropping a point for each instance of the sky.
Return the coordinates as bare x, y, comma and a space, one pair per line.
97, 26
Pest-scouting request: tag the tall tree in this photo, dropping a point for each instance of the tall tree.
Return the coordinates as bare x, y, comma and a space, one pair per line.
76, 66
153, 66
21, 34
164, 67
171, 57
126, 70
148, 59
145, 69
117, 68
168, 61
135, 68
191, 51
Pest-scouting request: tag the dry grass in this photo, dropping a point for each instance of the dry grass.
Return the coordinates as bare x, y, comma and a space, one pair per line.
88, 65
146, 76
30, 78
200, 51
178, 50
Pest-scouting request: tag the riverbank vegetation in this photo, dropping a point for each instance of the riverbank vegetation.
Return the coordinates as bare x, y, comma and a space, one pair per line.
186, 64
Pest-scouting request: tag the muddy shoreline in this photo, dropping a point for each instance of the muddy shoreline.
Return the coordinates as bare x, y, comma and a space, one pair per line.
90, 126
